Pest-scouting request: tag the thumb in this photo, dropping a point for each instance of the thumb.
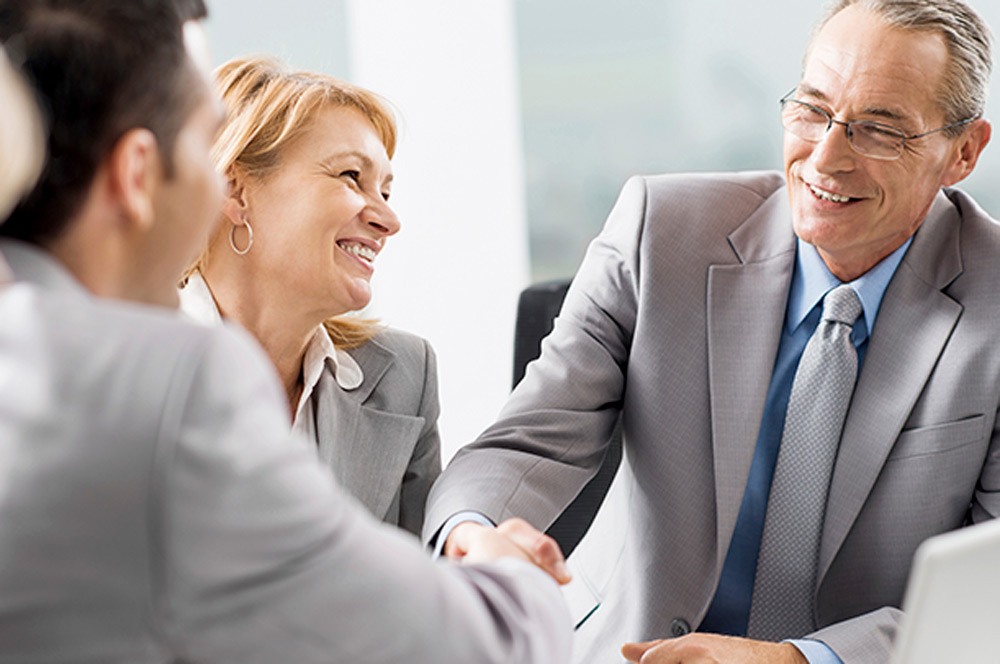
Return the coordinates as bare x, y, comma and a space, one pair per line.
633, 652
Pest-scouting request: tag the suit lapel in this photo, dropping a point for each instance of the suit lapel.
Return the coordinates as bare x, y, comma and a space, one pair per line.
367, 449
914, 324
746, 307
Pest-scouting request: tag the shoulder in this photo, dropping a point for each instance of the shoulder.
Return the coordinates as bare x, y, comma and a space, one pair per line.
146, 345
393, 358
971, 213
689, 204
978, 242
408, 349
751, 184
718, 195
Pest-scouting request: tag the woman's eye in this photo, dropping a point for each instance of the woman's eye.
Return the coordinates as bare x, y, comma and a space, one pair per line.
353, 175
385, 196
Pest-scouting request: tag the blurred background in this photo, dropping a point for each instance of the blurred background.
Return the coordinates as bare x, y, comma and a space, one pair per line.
521, 120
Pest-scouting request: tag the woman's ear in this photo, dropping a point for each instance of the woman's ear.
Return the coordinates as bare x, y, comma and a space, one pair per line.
235, 207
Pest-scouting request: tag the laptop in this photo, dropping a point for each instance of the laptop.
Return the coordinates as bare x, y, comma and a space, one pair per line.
952, 601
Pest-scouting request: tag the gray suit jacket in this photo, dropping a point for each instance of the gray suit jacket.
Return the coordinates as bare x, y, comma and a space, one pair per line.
381, 439
674, 319
153, 509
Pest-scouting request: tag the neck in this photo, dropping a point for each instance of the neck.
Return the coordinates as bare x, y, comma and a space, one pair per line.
99, 263
283, 332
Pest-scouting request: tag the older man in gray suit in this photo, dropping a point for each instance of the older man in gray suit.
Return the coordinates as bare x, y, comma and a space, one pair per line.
152, 506
754, 500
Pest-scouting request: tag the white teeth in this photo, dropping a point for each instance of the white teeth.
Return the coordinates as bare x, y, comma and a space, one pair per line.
359, 251
827, 196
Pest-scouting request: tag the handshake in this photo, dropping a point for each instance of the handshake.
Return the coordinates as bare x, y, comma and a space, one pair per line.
471, 542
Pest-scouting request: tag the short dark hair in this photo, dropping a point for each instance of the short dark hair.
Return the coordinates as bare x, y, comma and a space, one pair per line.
102, 68
191, 10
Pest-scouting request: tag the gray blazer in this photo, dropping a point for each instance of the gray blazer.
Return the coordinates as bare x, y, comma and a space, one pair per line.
381, 439
153, 509
674, 318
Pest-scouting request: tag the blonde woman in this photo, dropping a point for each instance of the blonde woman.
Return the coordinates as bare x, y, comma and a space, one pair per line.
307, 159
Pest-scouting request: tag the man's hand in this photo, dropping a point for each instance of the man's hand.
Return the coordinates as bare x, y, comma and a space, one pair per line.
712, 649
515, 538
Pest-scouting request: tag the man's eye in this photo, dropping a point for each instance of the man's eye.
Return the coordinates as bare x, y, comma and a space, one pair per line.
353, 175
881, 133
810, 114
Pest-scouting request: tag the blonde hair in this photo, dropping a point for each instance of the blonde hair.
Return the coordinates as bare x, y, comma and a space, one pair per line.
268, 105
22, 138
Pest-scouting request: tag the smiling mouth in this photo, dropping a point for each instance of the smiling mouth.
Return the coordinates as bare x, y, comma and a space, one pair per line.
824, 195
362, 252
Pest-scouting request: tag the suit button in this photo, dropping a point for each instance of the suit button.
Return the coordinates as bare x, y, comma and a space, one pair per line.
679, 627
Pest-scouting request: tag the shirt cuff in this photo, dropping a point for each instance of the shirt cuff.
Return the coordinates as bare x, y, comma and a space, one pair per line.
453, 522
816, 652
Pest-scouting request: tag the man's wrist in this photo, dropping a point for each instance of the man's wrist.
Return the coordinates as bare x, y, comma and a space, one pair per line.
453, 522
816, 652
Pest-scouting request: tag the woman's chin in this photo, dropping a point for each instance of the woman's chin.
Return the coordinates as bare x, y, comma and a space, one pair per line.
359, 295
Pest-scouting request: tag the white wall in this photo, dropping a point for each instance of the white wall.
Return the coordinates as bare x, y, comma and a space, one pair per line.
454, 272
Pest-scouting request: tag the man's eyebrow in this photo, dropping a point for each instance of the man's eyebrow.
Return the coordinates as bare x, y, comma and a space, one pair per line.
806, 89
877, 111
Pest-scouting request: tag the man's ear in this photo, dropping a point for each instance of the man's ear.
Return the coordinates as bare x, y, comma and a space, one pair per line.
235, 207
134, 173
966, 155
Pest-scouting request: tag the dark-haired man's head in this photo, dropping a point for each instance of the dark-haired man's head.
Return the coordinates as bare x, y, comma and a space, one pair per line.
123, 97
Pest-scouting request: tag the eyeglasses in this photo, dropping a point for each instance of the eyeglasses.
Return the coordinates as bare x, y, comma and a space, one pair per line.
872, 139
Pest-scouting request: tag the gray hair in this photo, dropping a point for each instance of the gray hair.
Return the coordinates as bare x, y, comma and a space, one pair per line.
966, 35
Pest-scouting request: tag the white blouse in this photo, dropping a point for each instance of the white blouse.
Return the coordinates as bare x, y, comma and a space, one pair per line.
199, 305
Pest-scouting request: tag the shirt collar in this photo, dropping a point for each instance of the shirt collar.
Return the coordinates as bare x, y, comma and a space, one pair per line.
198, 303
812, 280
320, 350
5, 275
28, 262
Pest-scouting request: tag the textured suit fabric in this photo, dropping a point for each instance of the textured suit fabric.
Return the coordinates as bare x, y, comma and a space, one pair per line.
154, 509
674, 320
381, 439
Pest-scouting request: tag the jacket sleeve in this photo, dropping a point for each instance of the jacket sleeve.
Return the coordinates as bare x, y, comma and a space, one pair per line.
262, 559
553, 432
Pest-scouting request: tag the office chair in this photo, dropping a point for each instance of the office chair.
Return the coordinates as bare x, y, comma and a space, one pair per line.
537, 308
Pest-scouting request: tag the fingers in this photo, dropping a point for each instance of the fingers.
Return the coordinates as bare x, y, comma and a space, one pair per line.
542, 549
460, 540
633, 652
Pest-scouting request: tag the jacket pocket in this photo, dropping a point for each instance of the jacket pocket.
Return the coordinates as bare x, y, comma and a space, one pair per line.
937, 438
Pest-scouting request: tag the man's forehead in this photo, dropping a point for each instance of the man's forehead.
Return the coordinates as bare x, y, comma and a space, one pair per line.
886, 68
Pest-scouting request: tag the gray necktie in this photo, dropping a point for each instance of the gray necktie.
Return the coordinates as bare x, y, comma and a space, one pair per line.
782, 605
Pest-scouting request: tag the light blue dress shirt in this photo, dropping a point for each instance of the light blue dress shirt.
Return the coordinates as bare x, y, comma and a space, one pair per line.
811, 281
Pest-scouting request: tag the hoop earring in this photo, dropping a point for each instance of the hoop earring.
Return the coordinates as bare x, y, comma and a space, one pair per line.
232, 238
